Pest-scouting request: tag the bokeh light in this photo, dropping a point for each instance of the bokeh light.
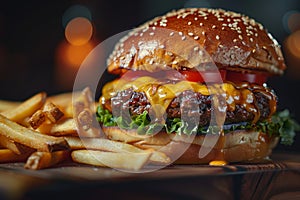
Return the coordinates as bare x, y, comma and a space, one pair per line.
72, 56
79, 31
293, 43
76, 11
291, 21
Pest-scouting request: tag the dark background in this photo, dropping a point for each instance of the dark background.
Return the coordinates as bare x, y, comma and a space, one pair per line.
31, 32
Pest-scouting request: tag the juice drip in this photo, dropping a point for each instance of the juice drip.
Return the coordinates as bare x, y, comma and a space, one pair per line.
219, 159
220, 114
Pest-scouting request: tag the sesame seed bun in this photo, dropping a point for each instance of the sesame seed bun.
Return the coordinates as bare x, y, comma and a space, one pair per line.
190, 37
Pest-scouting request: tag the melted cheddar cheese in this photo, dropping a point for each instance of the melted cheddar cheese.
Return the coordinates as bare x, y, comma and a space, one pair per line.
161, 94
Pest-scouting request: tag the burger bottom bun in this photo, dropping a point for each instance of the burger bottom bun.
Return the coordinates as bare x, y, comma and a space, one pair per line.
236, 146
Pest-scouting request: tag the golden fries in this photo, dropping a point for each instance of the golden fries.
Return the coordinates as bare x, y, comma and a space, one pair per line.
43, 132
114, 146
15, 147
83, 107
66, 127
37, 119
26, 109
7, 155
30, 138
52, 112
63, 100
8, 105
127, 161
42, 160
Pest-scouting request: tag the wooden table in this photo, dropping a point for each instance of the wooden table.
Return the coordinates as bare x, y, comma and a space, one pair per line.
277, 180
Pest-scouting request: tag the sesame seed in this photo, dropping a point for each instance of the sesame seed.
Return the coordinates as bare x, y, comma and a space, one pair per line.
151, 33
196, 37
190, 34
241, 37
234, 40
189, 23
203, 33
243, 43
196, 18
217, 37
220, 19
153, 28
223, 28
214, 26
196, 48
221, 46
253, 50
183, 37
236, 47
251, 39
201, 24
228, 19
172, 33
180, 33
205, 18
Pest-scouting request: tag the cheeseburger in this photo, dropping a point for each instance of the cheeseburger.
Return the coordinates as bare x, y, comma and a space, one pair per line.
192, 84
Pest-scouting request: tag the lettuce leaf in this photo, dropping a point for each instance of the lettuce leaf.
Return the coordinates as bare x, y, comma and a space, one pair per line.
281, 124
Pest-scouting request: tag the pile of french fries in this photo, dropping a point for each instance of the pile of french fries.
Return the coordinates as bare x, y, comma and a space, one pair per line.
45, 131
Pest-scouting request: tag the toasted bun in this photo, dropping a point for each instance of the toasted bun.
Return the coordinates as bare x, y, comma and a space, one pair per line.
190, 37
239, 146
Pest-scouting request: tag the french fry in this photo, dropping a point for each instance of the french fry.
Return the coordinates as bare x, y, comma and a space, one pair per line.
52, 112
15, 147
128, 161
65, 127
37, 119
114, 146
30, 138
42, 160
8, 156
7, 105
26, 109
85, 119
64, 100
83, 107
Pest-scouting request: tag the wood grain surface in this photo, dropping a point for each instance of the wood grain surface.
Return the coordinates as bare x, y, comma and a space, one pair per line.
279, 179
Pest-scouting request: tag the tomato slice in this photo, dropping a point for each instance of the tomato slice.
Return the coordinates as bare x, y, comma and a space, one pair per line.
207, 76
237, 77
200, 77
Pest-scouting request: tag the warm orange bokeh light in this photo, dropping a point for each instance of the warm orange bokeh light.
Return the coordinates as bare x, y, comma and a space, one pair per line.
293, 21
293, 43
79, 31
72, 56
68, 61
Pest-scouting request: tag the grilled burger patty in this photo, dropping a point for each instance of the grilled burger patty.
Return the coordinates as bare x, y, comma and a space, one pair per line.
193, 104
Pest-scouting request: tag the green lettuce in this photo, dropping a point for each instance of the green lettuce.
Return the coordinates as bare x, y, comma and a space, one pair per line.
281, 124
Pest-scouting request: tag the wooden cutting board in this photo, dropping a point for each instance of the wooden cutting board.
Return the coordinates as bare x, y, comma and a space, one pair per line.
279, 179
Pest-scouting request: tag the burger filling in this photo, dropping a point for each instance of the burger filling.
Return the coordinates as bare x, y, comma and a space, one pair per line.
183, 107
